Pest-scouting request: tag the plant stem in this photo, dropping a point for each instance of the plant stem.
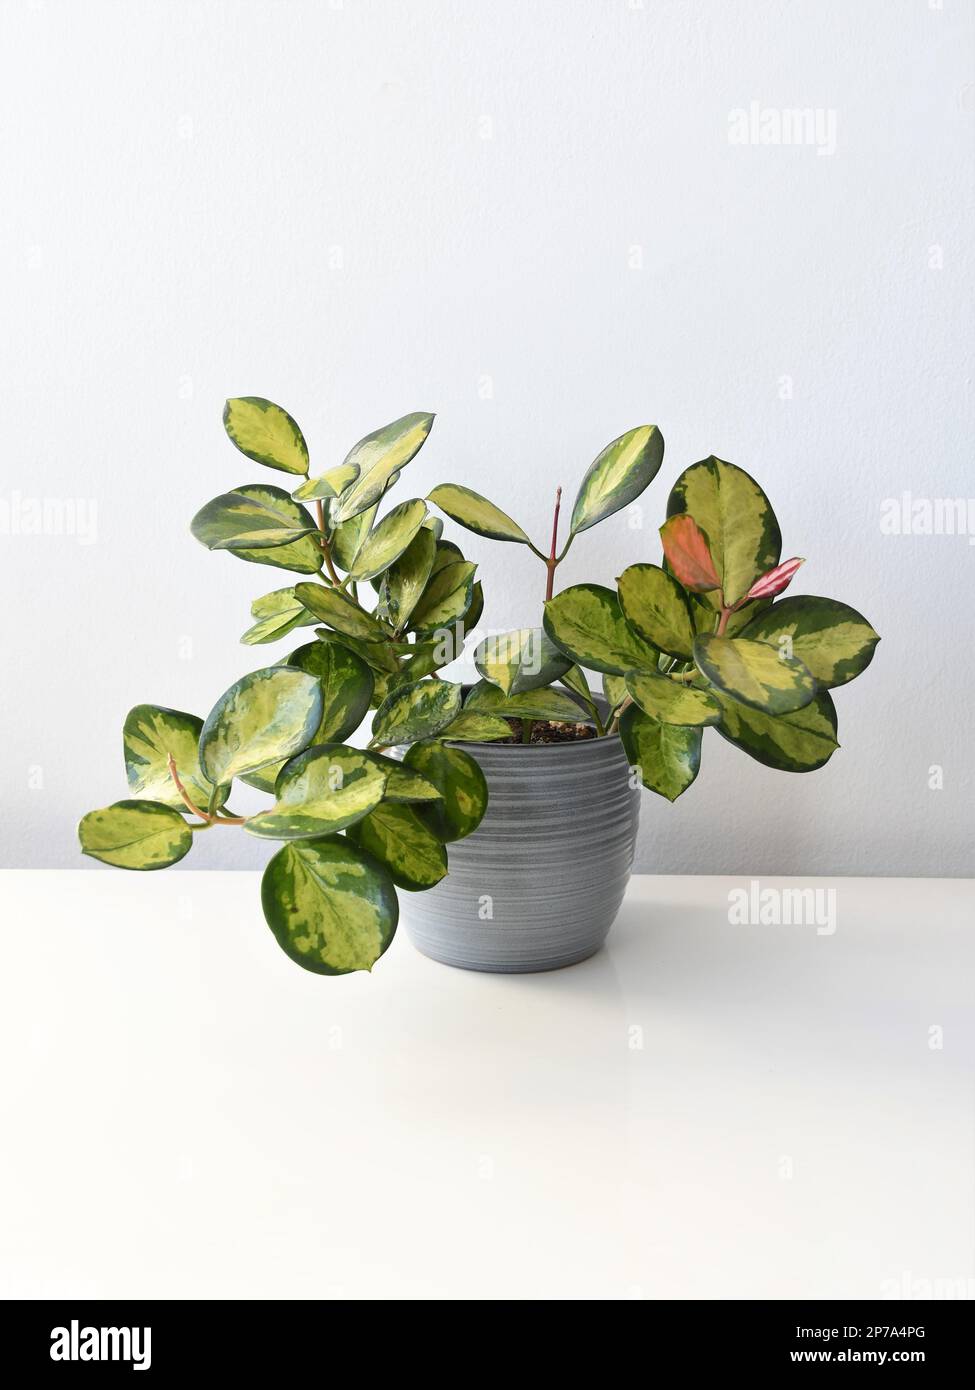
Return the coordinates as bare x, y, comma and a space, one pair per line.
551, 563
208, 817
526, 730
614, 725
323, 541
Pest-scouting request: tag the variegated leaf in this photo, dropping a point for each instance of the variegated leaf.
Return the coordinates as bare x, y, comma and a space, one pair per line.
387, 541
251, 518
149, 736
737, 517
656, 608
379, 457
832, 639
520, 660
276, 614
462, 784
135, 835
754, 673
330, 484
470, 509
587, 623
407, 848
320, 792
268, 715
618, 476
406, 579
416, 711
266, 433
670, 702
546, 703
447, 597
340, 612
799, 742
667, 756
331, 907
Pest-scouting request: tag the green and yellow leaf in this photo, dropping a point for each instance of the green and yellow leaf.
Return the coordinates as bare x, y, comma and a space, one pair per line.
268, 715
388, 540
402, 783
416, 711
150, 734
135, 835
347, 539
754, 673
471, 726
587, 623
618, 476
446, 598
251, 518
667, 756
737, 517
276, 614
799, 742
462, 784
266, 433
331, 907
520, 660
407, 848
379, 457
330, 484
320, 792
340, 612
545, 703
470, 509
407, 578
656, 608
833, 640
669, 702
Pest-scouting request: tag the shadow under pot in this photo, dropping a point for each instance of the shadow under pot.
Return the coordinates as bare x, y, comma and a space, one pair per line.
540, 882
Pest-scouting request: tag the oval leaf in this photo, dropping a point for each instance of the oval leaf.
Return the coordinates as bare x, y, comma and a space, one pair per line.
754, 673
398, 839
655, 607
798, 742
331, 907
475, 512
321, 792
388, 540
587, 623
669, 702
346, 683
530, 704
471, 726
266, 433
447, 597
833, 640
402, 783
340, 612
667, 756
347, 538
416, 711
150, 734
135, 835
330, 484
407, 578
277, 614
618, 475
688, 554
737, 517
268, 715
251, 518
520, 660
379, 457
461, 783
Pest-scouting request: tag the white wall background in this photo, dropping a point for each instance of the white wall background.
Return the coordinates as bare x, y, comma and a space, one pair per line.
364, 208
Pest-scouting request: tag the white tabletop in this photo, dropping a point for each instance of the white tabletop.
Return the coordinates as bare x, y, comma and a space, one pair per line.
701, 1110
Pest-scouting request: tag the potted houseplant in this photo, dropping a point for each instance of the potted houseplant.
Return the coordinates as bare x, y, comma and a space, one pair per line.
552, 787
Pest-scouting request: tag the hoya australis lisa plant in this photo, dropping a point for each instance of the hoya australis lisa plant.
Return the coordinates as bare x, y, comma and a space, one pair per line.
392, 601
697, 641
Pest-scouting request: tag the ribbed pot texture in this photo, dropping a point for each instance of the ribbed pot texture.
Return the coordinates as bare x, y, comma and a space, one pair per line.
539, 883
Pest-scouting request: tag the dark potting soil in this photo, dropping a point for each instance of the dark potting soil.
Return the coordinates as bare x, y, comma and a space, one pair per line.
546, 731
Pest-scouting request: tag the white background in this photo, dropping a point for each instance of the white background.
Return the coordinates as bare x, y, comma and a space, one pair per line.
364, 209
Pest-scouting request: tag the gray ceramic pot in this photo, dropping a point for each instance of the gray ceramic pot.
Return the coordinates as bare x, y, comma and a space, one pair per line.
538, 884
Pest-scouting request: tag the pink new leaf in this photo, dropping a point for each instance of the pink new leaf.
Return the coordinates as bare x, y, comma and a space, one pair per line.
688, 554
775, 580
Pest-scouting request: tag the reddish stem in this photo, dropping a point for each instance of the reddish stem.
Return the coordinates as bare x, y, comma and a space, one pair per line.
551, 563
